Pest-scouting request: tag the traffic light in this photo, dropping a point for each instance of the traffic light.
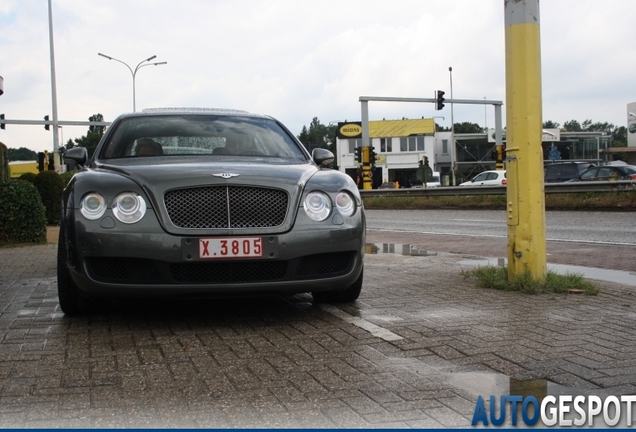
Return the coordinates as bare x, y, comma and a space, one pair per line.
359, 154
372, 156
2, 118
439, 103
46, 126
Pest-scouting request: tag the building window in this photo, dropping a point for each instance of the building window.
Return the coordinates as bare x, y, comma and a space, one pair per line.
445, 146
353, 143
403, 144
420, 143
385, 145
411, 143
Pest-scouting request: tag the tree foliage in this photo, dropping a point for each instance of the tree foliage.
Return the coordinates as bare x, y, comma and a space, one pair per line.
618, 133
319, 135
92, 137
464, 127
22, 154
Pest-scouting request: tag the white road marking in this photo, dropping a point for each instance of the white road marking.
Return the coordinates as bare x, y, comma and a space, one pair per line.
375, 330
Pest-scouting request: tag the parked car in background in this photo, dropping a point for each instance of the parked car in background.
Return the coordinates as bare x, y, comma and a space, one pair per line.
488, 178
609, 173
191, 202
562, 171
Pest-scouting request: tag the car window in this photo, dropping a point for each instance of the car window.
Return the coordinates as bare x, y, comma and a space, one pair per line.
604, 172
587, 175
569, 169
492, 176
481, 177
553, 169
190, 135
583, 167
629, 170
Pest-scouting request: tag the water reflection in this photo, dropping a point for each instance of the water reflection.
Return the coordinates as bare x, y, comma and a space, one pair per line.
397, 248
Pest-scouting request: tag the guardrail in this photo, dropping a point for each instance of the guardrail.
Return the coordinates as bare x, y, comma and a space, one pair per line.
569, 187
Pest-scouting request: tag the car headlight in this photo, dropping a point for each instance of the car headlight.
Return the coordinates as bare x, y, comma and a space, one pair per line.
317, 206
345, 203
129, 207
93, 206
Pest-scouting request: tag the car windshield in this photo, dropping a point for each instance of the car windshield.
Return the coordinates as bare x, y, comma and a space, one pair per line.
198, 135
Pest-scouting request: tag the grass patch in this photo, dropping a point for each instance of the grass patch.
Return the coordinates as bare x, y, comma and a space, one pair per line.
496, 277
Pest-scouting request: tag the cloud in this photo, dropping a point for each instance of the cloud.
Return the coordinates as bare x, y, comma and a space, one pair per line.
301, 59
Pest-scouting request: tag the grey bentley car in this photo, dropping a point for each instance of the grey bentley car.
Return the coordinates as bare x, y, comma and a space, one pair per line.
196, 202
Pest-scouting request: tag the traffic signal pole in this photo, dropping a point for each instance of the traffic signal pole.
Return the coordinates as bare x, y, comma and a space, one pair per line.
524, 155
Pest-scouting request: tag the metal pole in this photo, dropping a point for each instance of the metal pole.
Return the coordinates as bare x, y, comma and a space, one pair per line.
452, 155
366, 169
524, 155
56, 144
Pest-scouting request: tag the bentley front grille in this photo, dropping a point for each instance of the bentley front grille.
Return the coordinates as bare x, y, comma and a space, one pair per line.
226, 207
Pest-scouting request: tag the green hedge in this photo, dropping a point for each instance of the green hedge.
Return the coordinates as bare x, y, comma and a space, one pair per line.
22, 214
51, 187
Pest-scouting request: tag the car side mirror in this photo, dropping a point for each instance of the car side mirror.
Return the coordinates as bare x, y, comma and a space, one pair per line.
322, 156
79, 155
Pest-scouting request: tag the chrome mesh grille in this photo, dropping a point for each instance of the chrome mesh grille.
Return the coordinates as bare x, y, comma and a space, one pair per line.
226, 207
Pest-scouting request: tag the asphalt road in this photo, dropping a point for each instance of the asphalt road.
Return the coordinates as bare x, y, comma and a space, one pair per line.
604, 240
611, 228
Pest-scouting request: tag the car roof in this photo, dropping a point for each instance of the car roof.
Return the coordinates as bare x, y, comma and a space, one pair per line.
195, 111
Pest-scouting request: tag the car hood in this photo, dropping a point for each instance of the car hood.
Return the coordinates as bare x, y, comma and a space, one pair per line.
166, 176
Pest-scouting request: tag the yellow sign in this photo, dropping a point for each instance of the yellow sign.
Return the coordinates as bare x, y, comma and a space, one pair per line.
350, 130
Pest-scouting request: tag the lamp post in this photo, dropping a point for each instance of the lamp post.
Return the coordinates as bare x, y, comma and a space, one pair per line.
134, 72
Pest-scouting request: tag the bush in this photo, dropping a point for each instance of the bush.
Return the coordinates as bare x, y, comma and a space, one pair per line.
28, 176
22, 214
4, 163
51, 187
67, 176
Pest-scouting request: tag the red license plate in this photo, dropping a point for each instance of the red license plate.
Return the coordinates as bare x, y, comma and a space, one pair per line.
233, 247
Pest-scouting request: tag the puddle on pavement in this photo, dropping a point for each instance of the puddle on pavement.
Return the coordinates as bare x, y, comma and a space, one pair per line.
486, 384
397, 248
619, 276
623, 277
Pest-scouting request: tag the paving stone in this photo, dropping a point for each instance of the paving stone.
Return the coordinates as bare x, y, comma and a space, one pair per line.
286, 363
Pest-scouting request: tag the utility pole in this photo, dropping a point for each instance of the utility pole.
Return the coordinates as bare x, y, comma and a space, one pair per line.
524, 155
56, 144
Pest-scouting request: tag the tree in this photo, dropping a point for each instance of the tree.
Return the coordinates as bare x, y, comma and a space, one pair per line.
549, 124
22, 154
618, 133
92, 137
319, 135
467, 127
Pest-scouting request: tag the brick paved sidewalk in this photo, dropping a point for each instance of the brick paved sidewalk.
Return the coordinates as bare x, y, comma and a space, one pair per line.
415, 351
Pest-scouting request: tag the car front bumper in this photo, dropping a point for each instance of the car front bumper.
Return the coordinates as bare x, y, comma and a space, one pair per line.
153, 263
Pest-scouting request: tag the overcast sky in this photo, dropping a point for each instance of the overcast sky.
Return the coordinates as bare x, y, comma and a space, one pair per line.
296, 60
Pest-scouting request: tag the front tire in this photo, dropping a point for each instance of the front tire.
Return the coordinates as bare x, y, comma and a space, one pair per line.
346, 295
71, 301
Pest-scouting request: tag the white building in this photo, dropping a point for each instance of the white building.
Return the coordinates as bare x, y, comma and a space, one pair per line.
400, 146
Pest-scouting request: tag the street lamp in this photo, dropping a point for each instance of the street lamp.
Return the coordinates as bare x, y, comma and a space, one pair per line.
134, 72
